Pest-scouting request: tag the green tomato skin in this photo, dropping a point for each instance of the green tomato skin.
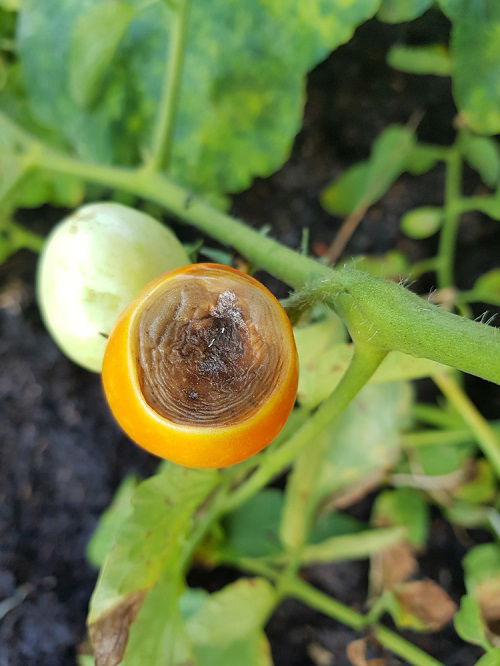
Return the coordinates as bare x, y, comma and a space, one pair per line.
93, 264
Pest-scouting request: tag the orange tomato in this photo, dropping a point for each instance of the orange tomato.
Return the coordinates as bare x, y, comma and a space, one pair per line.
201, 369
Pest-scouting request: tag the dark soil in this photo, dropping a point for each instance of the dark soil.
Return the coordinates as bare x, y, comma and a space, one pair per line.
61, 455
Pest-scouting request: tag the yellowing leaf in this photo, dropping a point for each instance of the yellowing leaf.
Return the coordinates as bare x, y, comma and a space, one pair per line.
149, 540
475, 46
323, 361
95, 41
243, 78
423, 605
397, 11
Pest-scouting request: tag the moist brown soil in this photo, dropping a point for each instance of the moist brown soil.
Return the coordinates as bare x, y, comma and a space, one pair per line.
61, 455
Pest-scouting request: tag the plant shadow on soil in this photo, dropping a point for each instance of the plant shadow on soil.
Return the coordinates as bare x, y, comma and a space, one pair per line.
61, 455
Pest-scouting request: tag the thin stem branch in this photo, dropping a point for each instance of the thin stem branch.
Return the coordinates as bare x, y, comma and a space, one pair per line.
167, 111
345, 233
24, 238
333, 608
403, 648
485, 435
448, 236
363, 364
342, 613
415, 440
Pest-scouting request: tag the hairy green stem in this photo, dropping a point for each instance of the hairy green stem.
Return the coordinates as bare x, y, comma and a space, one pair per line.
363, 364
167, 112
377, 311
486, 437
448, 236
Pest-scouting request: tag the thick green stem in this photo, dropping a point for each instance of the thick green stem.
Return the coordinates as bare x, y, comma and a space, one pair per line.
167, 112
394, 318
486, 437
448, 236
364, 363
378, 311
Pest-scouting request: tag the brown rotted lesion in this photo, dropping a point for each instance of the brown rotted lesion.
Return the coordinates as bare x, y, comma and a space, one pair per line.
202, 360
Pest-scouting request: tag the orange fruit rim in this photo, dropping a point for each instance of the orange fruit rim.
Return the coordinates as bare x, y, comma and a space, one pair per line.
192, 445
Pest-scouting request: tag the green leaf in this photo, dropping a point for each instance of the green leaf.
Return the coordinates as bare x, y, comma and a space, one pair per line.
10, 5
450, 7
323, 361
482, 153
423, 157
437, 460
21, 184
343, 195
422, 222
12, 169
179, 626
85, 660
482, 581
397, 11
94, 43
481, 488
468, 515
333, 524
362, 442
158, 635
492, 658
253, 650
482, 565
252, 530
148, 543
226, 627
352, 546
105, 533
469, 624
242, 91
232, 614
486, 288
40, 187
14, 237
429, 59
392, 265
475, 48
368, 181
217, 255
406, 508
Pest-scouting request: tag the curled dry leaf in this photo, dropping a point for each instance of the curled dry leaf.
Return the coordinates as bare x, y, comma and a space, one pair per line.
427, 602
488, 597
357, 654
319, 655
109, 634
392, 565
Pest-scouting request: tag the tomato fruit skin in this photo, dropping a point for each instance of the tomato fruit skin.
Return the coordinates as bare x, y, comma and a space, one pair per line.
197, 446
94, 262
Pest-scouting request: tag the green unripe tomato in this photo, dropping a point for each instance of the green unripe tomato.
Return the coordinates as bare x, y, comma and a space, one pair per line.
93, 264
